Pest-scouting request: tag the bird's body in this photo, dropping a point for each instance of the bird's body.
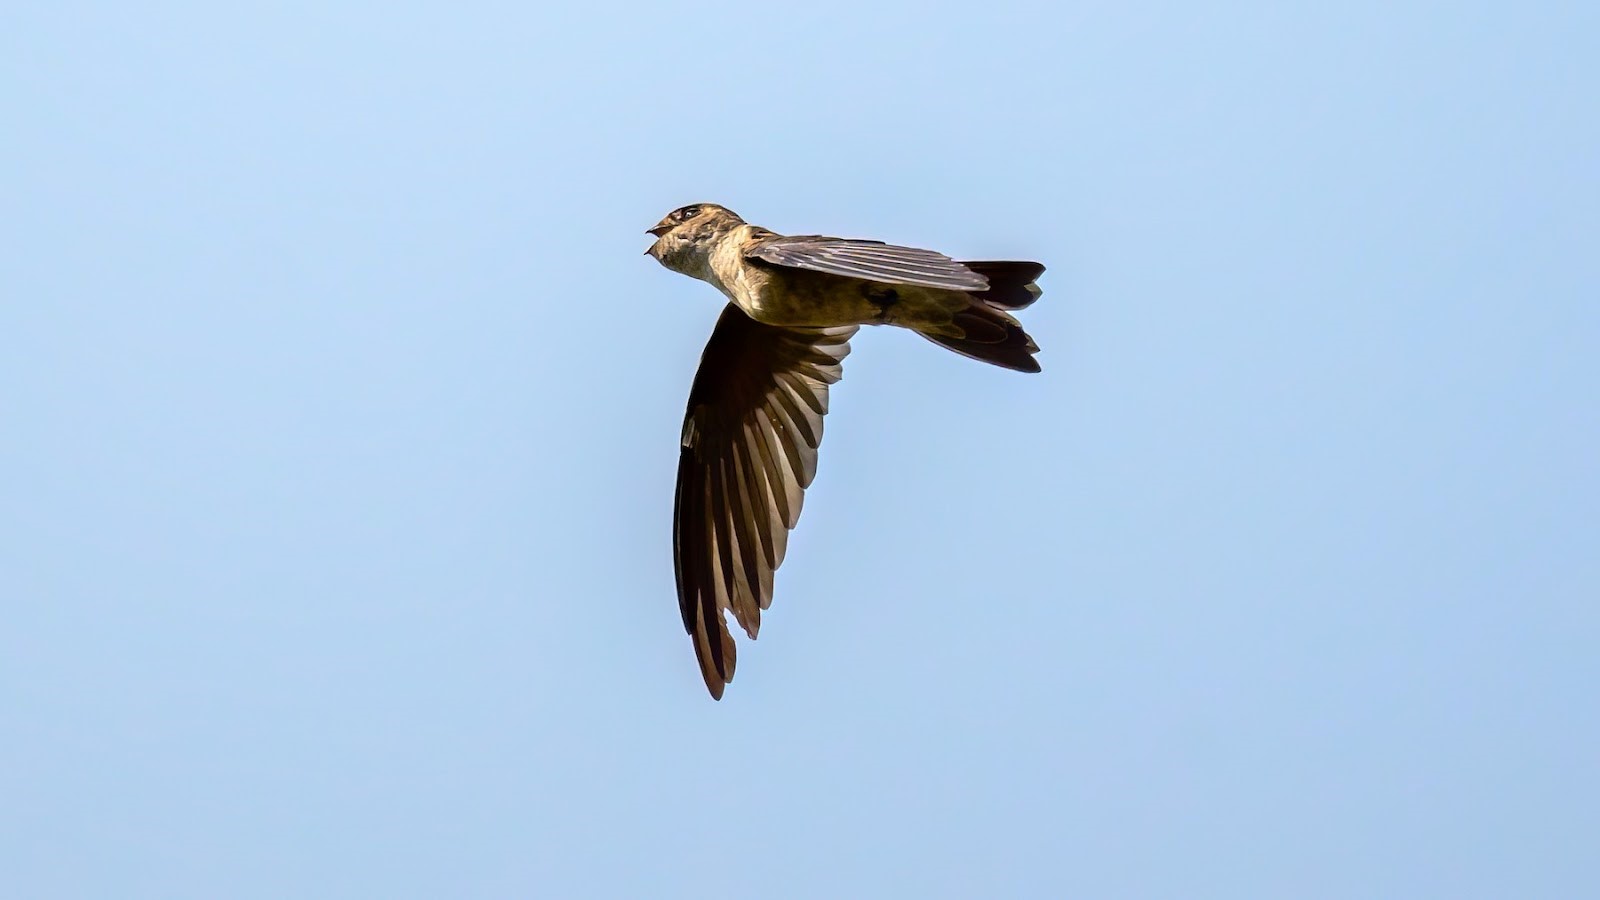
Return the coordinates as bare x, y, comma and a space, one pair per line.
754, 421
797, 297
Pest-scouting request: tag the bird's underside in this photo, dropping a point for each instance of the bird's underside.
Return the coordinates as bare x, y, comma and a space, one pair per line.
756, 406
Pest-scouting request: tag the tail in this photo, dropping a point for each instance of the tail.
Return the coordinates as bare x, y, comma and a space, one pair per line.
989, 332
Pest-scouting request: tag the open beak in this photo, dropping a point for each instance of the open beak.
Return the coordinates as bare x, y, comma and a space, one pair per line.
657, 233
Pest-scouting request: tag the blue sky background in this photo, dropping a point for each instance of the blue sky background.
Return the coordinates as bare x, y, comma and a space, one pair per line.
340, 419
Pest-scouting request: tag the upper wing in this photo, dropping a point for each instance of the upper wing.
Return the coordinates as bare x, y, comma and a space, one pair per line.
749, 450
868, 260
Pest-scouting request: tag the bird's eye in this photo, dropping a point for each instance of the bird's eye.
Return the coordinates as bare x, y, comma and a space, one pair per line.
688, 212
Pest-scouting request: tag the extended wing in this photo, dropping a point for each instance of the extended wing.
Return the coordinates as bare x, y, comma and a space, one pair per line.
749, 450
869, 260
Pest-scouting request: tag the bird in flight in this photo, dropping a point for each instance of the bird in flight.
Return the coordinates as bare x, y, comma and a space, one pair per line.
750, 436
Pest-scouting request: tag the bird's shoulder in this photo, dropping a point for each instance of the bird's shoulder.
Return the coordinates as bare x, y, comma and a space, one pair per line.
751, 238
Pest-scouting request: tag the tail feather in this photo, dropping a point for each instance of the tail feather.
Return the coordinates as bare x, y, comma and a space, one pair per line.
1011, 284
989, 332
992, 337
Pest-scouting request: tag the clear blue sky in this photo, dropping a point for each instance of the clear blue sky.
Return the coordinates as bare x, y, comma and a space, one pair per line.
341, 415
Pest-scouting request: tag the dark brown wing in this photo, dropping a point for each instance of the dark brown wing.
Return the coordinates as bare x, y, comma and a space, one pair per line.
749, 451
868, 260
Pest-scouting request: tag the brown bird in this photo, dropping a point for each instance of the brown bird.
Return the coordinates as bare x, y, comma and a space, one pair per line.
750, 437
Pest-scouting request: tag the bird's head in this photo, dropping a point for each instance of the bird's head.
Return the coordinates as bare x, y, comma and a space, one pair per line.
686, 237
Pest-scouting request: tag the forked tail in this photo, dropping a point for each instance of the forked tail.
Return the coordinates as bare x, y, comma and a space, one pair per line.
990, 333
